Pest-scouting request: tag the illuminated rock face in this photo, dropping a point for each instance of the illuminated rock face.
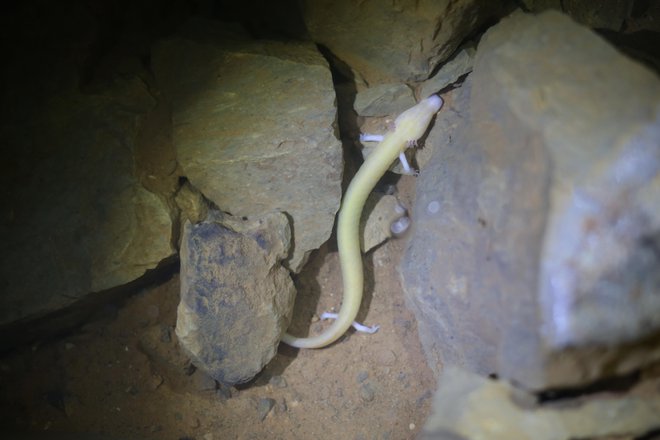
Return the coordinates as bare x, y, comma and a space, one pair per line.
539, 261
253, 127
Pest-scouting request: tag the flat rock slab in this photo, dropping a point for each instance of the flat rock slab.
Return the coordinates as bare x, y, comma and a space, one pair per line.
253, 127
533, 255
236, 297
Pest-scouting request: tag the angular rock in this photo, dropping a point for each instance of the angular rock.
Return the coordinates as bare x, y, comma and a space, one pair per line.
236, 297
194, 208
460, 64
401, 41
264, 407
78, 219
384, 100
254, 127
469, 406
534, 254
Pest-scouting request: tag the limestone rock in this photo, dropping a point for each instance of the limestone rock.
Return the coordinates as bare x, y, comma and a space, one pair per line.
472, 407
253, 127
403, 41
533, 255
384, 100
236, 298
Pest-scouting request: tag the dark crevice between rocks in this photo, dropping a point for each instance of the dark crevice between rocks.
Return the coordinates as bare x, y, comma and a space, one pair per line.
640, 8
466, 44
177, 218
347, 128
651, 435
472, 38
281, 20
455, 85
652, 243
122, 33
642, 46
522, 6
55, 325
615, 384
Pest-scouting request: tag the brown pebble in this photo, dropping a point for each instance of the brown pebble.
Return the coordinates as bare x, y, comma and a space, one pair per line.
367, 392
278, 382
264, 407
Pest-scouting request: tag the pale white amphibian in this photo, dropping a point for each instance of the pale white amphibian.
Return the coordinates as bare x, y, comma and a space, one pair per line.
407, 169
408, 127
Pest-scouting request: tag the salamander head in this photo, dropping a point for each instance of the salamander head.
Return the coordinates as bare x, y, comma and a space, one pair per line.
414, 121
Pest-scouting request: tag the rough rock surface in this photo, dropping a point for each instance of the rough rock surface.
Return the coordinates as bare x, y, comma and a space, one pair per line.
460, 64
236, 298
614, 15
536, 219
385, 41
79, 219
253, 127
472, 407
380, 211
384, 100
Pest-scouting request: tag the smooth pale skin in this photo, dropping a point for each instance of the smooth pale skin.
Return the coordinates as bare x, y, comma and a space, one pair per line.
409, 126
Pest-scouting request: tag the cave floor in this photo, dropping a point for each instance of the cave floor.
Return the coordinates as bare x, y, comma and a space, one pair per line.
122, 375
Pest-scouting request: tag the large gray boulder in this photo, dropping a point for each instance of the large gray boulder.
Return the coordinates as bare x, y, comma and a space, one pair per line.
534, 253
